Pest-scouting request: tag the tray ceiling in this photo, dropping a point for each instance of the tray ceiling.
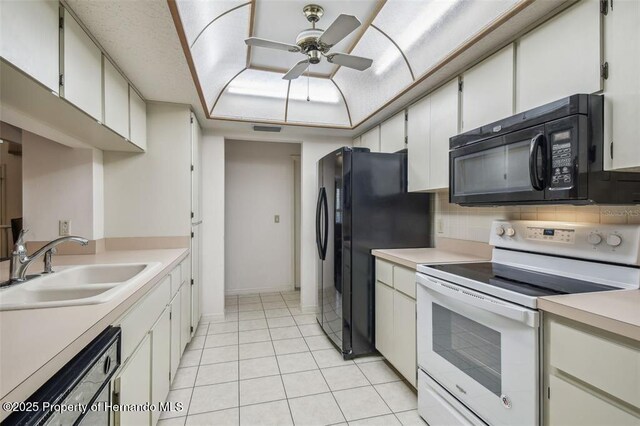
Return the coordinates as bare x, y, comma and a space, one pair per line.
405, 39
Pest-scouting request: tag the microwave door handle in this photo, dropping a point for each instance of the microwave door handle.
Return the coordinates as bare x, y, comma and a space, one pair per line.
482, 301
537, 143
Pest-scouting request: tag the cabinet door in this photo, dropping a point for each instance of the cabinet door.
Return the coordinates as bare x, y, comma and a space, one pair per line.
384, 320
160, 361
404, 333
185, 315
82, 69
419, 144
133, 385
116, 100
392, 134
29, 38
371, 139
572, 405
196, 288
487, 91
622, 87
560, 57
444, 118
357, 143
176, 350
138, 119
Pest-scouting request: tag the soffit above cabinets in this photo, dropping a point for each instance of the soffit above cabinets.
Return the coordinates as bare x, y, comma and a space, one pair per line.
406, 39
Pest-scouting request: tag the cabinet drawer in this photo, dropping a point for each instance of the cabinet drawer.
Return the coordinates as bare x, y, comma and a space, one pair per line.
142, 317
404, 280
384, 272
176, 280
608, 365
570, 405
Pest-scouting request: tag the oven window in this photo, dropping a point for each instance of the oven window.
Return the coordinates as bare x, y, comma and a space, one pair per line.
504, 168
469, 346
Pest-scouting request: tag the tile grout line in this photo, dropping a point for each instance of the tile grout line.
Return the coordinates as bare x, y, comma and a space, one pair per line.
284, 389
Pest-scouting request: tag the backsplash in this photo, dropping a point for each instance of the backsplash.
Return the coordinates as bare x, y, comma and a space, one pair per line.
474, 223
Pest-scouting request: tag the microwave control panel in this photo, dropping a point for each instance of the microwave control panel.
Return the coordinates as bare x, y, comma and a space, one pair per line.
561, 160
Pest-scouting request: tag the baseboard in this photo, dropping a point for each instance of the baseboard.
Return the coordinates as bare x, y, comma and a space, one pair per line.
309, 309
211, 317
256, 290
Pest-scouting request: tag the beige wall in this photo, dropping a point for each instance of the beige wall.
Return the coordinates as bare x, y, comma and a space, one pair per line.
147, 195
60, 183
474, 223
259, 184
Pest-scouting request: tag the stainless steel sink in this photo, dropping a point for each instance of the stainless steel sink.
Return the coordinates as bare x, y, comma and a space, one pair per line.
77, 285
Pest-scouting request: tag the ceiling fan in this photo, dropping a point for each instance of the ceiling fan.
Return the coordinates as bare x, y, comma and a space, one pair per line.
315, 43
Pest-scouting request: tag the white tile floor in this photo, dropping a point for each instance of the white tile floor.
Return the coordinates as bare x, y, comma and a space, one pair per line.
268, 363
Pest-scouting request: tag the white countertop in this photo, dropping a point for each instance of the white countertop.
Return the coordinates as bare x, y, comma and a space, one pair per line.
36, 343
412, 257
614, 311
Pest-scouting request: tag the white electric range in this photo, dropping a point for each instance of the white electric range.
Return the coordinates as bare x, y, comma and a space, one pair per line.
478, 326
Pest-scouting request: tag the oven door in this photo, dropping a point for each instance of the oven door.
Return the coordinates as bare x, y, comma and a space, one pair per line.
483, 350
506, 169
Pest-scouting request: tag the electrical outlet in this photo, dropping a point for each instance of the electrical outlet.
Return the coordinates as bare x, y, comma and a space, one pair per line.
276, 218
440, 226
64, 227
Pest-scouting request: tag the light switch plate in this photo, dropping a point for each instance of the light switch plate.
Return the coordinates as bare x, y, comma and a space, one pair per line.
64, 227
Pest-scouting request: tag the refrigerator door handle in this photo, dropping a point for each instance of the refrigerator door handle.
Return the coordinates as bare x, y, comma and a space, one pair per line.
326, 224
318, 215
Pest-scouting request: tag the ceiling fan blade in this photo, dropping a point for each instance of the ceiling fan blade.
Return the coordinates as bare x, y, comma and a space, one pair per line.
297, 70
270, 44
339, 29
350, 61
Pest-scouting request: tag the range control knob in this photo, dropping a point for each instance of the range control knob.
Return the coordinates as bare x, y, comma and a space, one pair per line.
594, 238
614, 240
510, 232
500, 231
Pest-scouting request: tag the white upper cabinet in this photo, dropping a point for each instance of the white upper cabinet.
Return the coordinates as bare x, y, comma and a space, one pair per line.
138, 119
29, 38
487, 92
445, 107
82, 69
357, 143
561, 57
419, 144
371, 139
116, 100
392, 134
622, 87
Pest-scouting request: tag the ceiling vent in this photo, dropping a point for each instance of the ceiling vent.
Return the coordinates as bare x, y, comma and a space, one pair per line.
272, 129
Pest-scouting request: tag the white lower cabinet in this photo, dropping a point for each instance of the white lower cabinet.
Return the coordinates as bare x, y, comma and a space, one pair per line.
591, 377
155, 332
175, 333
395, 315
132, 385
160, 361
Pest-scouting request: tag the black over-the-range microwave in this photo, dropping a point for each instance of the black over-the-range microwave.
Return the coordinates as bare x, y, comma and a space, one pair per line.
552, 154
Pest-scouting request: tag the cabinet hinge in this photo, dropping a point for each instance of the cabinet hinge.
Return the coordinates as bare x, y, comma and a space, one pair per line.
192, 168
611, 150
548, 392
406, 115
192, 235
169, 376
604, 6
604, 70
61, 23
170, 315
406, 140
191, 329
191, 120
192, 215
460, 85
61, 80
192, 282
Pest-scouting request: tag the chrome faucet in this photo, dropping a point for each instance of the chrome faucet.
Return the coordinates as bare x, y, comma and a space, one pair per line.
20, 261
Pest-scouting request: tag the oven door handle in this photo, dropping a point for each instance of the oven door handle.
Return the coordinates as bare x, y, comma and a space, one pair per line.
482, 301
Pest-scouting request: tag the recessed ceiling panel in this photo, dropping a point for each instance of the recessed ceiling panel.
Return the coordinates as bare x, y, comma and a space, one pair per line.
254, 95
220, 52
428, 30
366, 91
197, 14
282, 20
316, 100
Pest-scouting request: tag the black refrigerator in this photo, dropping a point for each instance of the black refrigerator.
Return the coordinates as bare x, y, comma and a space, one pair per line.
363, 204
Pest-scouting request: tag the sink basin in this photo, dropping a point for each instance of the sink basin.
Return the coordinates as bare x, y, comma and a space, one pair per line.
77, 285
